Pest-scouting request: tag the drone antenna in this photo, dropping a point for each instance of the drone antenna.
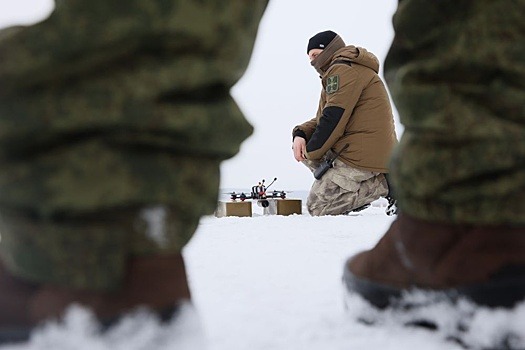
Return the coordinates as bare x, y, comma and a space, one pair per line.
275, 179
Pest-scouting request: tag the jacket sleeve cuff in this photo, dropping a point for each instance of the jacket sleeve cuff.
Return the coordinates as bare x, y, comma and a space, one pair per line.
299, 133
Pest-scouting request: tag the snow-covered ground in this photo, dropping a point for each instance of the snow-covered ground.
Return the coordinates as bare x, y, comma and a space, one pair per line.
274, 283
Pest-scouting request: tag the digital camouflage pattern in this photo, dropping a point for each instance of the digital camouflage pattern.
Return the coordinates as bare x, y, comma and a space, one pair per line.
108, 108
458, 82
343, 188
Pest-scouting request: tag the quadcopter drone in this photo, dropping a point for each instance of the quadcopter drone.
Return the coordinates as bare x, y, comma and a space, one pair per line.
259, 192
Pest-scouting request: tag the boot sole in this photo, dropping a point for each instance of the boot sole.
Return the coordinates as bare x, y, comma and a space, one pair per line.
15, 335
501, 291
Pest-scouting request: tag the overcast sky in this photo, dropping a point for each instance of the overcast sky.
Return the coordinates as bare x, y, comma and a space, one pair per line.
280, 89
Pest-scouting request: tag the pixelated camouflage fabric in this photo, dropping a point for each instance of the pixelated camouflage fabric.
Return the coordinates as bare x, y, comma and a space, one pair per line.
107, 110
96, 98
343, 188
457, 76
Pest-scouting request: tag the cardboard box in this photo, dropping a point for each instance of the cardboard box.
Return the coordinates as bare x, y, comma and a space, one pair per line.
237, 208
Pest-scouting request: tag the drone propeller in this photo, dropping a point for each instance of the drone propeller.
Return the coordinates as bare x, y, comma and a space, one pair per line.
242, 196
276, 194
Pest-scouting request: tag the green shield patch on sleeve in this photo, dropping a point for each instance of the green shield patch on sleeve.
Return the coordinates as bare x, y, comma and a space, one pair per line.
332, 84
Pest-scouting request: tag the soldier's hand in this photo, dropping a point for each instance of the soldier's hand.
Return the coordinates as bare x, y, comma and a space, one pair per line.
299, 148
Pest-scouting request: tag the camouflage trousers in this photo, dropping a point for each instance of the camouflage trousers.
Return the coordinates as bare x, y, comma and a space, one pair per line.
114, 119
89, 250
458, 81
343, 188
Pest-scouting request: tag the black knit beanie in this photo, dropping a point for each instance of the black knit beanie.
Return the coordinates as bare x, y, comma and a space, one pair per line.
320, 40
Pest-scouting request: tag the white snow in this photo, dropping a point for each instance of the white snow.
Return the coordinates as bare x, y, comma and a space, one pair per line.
274, 282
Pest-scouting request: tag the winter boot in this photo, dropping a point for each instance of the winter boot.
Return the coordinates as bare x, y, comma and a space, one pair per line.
156, 282
485, 264
391, 208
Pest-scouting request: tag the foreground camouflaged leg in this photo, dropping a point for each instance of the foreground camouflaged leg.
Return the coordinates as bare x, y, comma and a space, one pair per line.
107, 106
457, 77
114, 118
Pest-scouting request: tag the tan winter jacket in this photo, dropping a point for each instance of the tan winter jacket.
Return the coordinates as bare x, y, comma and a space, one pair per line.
354, 108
